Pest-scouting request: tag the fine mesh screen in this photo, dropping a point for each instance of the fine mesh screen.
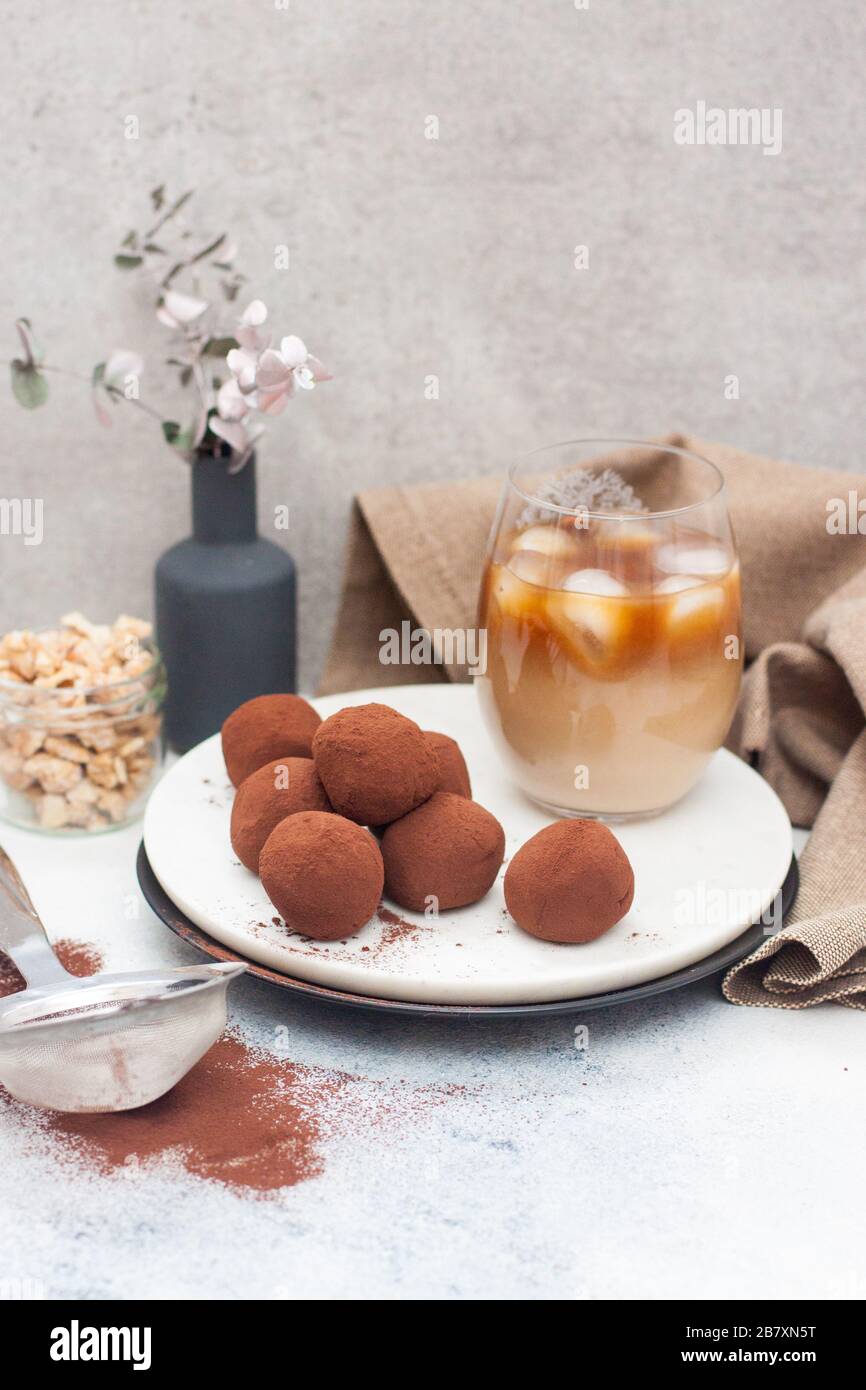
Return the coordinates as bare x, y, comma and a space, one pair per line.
70, 1067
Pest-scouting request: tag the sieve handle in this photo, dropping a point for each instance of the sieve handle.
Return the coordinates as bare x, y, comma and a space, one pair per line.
22, 935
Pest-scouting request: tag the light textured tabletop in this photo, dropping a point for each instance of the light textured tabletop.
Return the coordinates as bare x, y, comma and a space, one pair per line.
689, 1149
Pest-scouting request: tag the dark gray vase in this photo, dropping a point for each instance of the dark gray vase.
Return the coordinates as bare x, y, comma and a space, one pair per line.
225, 607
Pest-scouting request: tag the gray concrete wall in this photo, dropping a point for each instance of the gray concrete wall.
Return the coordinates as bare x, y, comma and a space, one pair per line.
413, 257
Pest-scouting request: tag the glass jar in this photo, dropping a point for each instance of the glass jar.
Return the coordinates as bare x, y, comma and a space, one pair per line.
78, 759
611, 603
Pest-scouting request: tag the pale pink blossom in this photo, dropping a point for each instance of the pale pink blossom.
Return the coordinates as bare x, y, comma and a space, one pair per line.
262, 378
231, 402
121, 366
282, 370
250, 332
180, 310
237, 434
232, 431
242, 363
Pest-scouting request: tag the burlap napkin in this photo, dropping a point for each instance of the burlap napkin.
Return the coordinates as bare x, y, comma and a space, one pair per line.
415, 555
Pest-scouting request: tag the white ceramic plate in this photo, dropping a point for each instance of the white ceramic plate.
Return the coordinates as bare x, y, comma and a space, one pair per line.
704, 872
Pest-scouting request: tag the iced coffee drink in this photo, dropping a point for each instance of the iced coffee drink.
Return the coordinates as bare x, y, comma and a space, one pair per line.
614, 649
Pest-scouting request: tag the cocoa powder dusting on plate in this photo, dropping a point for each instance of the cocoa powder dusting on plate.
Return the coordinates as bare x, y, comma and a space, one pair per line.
395, 929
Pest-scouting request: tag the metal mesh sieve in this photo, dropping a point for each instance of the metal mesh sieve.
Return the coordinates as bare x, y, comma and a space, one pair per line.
107, 1042
73, 1055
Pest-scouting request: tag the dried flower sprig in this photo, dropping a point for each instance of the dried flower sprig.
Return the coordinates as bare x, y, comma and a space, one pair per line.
260, 379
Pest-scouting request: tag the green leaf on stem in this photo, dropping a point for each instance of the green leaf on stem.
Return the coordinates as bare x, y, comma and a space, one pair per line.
209, 249
128, 262
177, 436
175, 208
29, 386
218, 347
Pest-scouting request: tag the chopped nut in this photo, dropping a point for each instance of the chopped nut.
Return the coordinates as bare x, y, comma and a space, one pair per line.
84, 752
98, 737
115, 803
24, 665
25, 741
78, 814
85, 792
52, 774
53, 812
64, 675
12, 770
102, 771
132, 745
66, 748
79, 623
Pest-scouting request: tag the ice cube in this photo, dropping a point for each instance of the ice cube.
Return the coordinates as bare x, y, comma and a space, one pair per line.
531, 566
516, 596
593, 625
617, 537
598, 582
675, 583
545, 540
694, 613
694, 559
628, 553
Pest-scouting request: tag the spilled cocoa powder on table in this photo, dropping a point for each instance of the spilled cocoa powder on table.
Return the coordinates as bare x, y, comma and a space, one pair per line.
246, 1120
74, 956
243, 1118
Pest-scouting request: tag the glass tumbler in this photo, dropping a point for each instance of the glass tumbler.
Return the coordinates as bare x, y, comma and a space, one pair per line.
611, 604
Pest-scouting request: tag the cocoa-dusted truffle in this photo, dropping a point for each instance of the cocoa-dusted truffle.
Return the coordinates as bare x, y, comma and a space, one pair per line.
268, 727
453, 772
375, 764
449, 849
571, 882
266, 797
322, 873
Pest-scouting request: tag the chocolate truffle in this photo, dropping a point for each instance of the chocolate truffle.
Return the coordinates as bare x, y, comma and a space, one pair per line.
571, 882
322, 873
266, 797
453, 772
449, 849
268, 727
375, 764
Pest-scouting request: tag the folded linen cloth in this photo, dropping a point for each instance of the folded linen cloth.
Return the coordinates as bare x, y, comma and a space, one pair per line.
416, 554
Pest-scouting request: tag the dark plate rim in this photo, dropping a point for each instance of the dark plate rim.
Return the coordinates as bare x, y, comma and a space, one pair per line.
177, 921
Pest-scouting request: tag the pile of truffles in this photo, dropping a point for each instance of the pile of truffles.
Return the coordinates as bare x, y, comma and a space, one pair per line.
329, 814
332, 813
